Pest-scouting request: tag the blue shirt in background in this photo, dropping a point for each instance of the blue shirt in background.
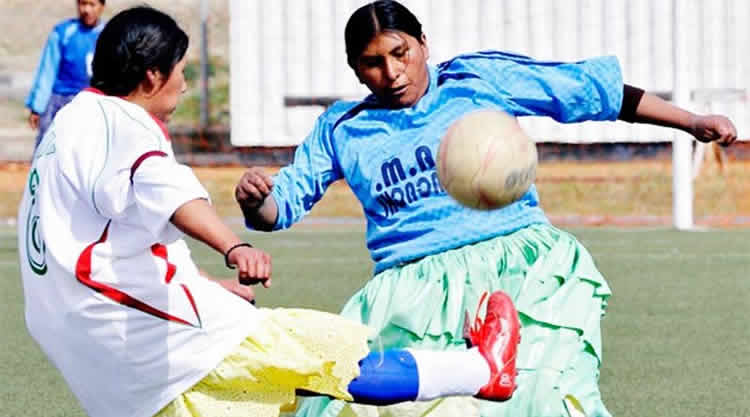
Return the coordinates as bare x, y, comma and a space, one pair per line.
387, 156
65, 65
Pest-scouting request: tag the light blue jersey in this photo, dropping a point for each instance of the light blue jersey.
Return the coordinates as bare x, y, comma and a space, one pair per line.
387, 156
65, 66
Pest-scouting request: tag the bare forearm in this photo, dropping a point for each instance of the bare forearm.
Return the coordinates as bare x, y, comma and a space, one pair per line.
263, 217
656, 111
641, 107
199, 220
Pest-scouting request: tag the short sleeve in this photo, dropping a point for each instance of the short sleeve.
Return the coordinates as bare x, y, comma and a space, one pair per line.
160, 186
154, 186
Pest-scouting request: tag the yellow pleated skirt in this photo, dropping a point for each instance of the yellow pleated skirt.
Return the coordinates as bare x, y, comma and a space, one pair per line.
292, 349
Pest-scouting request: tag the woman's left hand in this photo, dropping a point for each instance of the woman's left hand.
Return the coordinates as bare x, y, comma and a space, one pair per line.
714, 128
232, 285
243, 291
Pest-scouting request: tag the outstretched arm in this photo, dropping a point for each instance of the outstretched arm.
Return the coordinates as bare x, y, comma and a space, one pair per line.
253, 195
198, 219
641, 107
276, 203
44, 79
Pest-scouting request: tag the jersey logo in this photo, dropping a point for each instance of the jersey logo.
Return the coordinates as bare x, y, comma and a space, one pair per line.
36, 249
401, 186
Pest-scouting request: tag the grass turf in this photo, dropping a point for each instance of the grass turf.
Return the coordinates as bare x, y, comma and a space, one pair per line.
675, 338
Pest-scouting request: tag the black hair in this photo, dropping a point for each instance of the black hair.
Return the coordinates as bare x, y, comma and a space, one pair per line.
371, 19
132, 42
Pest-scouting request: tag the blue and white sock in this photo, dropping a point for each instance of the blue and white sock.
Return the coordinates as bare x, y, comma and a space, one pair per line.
448, 373
399, 375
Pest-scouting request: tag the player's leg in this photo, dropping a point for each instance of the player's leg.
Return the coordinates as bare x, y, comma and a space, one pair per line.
327, 354
558, 291
561, 307
486, 370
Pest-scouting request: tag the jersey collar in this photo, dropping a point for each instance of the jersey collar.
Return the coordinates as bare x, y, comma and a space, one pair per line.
159, 123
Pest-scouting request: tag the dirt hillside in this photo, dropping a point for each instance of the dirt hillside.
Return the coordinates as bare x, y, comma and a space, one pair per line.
26, 25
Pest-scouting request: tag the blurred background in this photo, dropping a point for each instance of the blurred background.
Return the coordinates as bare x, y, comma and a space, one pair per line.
26, 26
285, 51
260, 72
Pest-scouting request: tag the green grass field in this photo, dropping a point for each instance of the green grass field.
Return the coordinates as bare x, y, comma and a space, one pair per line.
675, 337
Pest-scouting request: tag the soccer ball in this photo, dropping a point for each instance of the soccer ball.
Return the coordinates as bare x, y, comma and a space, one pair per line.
485, 160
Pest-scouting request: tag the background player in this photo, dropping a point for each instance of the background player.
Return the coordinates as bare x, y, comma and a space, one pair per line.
65, 66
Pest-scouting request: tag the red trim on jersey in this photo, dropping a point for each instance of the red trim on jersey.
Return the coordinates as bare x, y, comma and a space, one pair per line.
94, 90
160, 251
142, 158
192, 303
83, 274
162, 126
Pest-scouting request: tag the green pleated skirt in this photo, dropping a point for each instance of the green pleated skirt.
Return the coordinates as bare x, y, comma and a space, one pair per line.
560, 296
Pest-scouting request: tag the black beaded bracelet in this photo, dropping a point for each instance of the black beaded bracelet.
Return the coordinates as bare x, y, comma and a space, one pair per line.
226, 255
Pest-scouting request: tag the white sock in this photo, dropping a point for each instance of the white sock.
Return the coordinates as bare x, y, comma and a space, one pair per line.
446, 373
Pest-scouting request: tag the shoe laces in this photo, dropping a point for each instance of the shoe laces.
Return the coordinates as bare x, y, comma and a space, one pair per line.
475, 330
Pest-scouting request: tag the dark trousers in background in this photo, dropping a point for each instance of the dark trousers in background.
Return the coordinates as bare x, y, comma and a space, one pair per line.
56, 102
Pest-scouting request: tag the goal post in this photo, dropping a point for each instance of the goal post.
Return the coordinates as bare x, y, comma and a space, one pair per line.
682, 143
687, 153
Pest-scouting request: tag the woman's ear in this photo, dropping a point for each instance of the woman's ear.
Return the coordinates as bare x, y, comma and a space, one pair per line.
356, 73
152, 82
425, 48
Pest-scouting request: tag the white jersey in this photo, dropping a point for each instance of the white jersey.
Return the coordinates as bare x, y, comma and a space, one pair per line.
112, 295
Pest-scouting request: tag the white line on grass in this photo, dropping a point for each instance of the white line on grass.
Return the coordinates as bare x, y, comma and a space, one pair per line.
303, 261
671, 255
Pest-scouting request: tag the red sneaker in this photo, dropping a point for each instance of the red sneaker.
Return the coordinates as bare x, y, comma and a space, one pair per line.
497, 339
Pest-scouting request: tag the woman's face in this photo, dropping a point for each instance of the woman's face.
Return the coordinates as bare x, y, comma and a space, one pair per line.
164, 102
394, 67
89, 11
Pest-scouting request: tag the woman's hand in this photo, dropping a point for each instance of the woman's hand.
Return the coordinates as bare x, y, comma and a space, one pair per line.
243, 291
33, 121
253, 188
714, 128
253, 265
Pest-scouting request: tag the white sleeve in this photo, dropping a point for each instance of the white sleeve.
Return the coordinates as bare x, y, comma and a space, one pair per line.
161, 185
156, 184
